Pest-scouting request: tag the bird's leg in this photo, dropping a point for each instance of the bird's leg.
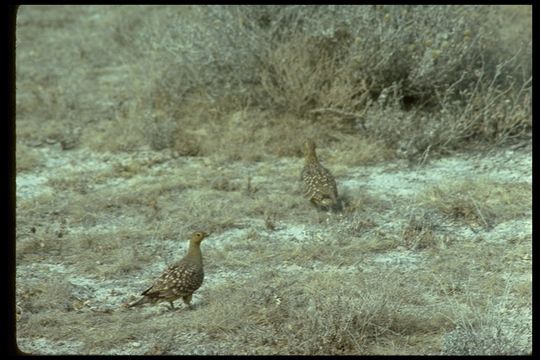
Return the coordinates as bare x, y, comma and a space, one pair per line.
172, 305
187, 301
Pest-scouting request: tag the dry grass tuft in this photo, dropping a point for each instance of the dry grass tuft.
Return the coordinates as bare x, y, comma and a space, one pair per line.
480, 203
420, 231
503, 329
26, 158
299, 313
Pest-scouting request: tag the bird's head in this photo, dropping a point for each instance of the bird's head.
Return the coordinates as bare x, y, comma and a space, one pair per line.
198, 236
309, 146
309, 150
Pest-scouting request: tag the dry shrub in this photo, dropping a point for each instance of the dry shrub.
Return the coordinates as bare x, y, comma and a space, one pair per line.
324, 328
250, 135
317, 313
417, 78
421, 78
488, 335
299, 75
501, 329
352, 150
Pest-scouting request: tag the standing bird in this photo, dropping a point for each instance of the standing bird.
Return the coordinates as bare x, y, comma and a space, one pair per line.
180, 279
318, 183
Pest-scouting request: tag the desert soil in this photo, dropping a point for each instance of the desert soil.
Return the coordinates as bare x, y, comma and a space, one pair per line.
99, 295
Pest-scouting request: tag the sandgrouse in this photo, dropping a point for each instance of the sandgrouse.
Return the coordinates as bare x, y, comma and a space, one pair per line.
318, 183
180, 279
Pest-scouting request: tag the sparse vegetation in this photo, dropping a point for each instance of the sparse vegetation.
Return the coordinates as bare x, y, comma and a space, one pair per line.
501, 330
417, 78
26, 158
184, 118
411, 80
480, 202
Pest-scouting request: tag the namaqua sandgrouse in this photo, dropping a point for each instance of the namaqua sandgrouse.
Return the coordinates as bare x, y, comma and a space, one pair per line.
180, 279
318, 183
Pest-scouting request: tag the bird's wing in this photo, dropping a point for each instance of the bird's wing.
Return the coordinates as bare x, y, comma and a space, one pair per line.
319, 182
161, 283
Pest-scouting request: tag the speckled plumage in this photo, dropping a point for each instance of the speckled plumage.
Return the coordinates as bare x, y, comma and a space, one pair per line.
179, 280
318, 183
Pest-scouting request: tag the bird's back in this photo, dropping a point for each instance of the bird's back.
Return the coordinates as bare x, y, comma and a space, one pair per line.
179, 279
319, 184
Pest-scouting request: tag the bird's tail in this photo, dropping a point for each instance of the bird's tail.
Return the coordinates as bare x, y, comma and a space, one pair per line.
329, 202
141, 301
332, 203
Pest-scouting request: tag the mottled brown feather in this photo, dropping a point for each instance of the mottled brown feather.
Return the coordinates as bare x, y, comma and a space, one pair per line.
319, 184
179, 280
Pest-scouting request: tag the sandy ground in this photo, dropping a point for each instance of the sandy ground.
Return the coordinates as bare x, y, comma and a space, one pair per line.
393, 182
